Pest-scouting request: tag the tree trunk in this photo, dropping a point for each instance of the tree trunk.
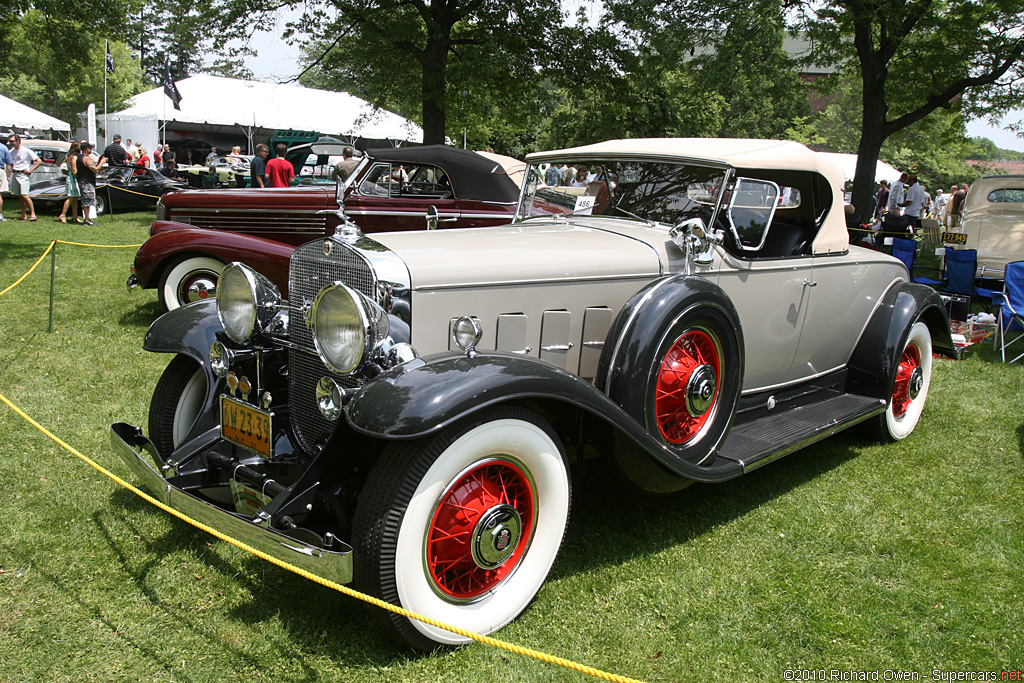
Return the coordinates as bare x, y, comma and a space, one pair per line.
871, 139
435, 106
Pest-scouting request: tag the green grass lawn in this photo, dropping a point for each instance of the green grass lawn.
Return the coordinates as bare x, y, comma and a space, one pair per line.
847, 555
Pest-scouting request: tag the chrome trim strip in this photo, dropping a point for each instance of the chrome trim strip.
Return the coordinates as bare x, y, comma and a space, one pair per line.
646, 277
198, 209
329, 564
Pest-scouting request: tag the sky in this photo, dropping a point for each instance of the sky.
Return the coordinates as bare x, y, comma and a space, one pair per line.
277, 62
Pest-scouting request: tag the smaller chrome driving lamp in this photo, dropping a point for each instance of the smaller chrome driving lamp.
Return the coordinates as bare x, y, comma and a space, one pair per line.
330, 398
222, 358
466, 333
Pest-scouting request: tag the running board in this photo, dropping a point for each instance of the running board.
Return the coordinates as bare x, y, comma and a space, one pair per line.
758, 443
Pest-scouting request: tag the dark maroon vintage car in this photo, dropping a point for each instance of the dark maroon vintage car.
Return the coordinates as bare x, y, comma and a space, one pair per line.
197, 232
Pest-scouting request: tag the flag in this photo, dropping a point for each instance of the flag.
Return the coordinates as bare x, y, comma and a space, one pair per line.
110, 60
170, 89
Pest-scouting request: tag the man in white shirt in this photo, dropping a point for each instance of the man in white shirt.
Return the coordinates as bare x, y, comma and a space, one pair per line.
25, 161
897, 196
916, 200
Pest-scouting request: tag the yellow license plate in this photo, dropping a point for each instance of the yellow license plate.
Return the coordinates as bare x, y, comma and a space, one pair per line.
245, 425
954, 237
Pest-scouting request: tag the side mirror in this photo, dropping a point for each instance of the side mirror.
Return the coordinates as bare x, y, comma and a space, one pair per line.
433, 218
695, 240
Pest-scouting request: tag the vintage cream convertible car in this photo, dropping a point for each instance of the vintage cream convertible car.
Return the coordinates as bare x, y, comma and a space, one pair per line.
409, 417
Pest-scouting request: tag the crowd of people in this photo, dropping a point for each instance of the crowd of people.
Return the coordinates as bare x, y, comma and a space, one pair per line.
908, 197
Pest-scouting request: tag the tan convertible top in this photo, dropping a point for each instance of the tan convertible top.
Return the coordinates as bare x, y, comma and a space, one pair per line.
740, 154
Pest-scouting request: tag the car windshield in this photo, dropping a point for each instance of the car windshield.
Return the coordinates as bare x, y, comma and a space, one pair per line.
652, 190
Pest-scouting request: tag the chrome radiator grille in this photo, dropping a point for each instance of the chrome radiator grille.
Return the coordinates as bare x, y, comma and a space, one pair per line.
310, 271
298, 222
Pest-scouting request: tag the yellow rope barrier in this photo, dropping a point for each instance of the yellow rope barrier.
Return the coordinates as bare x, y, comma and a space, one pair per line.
49, 248
29, 271
494, 642
101, 246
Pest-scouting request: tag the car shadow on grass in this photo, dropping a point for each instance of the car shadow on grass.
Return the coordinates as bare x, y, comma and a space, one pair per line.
320, 621
323, 622
611, 524
142, 315
14, 251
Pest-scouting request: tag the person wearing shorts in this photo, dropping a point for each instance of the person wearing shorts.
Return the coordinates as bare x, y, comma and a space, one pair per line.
6, 164
87, 179
25, 161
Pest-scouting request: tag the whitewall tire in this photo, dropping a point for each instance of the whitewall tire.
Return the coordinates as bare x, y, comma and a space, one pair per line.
176, 404
191, 279
463, 527
910, 386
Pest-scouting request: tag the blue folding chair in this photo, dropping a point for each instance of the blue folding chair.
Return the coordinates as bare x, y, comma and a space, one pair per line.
1011, 313
961, 267
906, 251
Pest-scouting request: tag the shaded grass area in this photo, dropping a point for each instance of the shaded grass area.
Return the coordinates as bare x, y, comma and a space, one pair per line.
847, 555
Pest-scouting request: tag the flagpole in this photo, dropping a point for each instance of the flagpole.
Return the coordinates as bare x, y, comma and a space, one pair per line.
106, 123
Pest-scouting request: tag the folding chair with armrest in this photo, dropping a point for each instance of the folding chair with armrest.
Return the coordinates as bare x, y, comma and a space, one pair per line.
906, 251
1011, 313
961, 267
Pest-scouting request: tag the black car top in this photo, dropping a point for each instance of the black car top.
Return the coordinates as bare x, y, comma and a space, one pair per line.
472, 175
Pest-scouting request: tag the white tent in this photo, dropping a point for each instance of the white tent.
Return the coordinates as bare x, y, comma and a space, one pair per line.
214, 104
16, 115
848, 162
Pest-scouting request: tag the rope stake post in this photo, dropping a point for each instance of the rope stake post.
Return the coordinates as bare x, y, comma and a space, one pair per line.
53, 273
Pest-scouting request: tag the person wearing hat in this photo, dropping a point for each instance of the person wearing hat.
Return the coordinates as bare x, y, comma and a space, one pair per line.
115, 152
87, 168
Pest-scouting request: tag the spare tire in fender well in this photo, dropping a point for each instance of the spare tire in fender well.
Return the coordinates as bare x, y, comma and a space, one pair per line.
653, 322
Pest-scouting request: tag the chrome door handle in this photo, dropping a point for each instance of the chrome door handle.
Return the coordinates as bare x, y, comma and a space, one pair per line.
810, 283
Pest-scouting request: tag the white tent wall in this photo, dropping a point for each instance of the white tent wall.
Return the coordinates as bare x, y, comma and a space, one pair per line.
138, 128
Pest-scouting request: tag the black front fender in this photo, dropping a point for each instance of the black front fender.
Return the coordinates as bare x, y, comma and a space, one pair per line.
426, 395
189, 330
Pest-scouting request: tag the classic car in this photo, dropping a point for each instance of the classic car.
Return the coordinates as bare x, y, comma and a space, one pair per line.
231, 170
52, 153
408, 417
118, 188
393, 189
993, 222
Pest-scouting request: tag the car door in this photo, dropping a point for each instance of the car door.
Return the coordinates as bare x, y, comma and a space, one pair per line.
392, 196
772, 298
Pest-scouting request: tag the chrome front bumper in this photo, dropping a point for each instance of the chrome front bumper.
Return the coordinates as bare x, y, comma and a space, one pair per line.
333, 565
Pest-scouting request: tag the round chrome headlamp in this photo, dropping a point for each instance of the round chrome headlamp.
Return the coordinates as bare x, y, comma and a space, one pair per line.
346, 325
246, 301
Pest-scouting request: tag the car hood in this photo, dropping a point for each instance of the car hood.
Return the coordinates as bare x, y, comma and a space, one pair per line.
303, 196
521, 253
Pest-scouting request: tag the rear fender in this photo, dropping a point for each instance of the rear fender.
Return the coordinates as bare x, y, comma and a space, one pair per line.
267, 257
424, 396
872, 366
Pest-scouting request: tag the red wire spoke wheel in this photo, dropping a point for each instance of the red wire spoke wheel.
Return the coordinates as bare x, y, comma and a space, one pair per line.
909, 380
912, 376
688, 386
482, 527
463, 525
